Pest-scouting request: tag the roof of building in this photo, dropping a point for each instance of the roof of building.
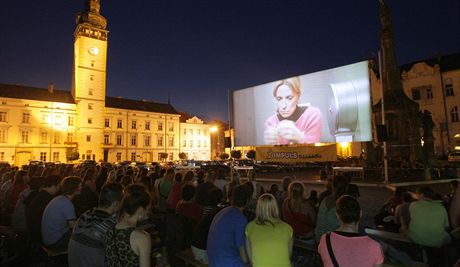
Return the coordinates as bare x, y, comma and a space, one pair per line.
43, 94
446, 63
34, 93
184, 116
117, 102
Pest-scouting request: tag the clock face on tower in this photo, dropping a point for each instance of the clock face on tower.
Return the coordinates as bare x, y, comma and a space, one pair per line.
93, 51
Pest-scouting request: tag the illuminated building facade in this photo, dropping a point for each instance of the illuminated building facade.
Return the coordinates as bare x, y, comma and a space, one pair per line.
435, 85
55, 125
195, 136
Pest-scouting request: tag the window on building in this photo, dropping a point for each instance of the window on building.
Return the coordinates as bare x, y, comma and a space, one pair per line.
184, 143
133, 156
198, 143
69, 137
90, 91
171, 156
118, 156
415, 94
91, 77
429, 93
90, 120
133, 139
160, 126
45, 118
133, 125
147, 125
106, 139
205, 144
171, 140
160, 140
185, 131
171, 126
26, 117
57, 138
107, 123
190, 131
449, 87
58, 120
147, 140
424, 92
88, 138
3, 134
24, 137
199, 132
190, 143
2, 116
70, 121
55, 156
120, 124
119, 140
90, 106
2, 156
43, 137
43, 156
454, 114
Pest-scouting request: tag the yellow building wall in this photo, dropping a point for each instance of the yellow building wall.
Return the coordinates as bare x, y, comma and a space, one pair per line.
143, 152
195, 139
89, 92
42, 136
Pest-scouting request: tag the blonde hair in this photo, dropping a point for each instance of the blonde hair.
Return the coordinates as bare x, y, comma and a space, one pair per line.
295, 195
293, 83
267, 210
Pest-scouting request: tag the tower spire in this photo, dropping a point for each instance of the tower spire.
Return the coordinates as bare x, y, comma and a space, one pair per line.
91, 15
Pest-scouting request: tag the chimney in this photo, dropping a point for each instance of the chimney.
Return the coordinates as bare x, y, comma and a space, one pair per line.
50, 88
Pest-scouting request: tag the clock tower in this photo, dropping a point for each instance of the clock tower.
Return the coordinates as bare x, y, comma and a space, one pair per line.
89, 80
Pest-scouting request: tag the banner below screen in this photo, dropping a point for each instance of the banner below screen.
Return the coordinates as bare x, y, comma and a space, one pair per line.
295, 154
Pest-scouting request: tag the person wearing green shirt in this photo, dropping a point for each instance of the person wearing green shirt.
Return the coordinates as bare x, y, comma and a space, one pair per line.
269, 240
428, 220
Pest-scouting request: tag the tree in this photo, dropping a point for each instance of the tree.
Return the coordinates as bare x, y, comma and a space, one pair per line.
72, 154
236, 154
182, 155
163, 156
251, 154
224, 156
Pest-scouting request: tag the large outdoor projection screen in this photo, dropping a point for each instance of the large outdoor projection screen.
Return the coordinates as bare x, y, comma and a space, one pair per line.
322, 107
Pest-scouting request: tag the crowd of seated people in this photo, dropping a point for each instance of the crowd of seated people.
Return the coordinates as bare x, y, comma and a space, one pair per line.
104, 215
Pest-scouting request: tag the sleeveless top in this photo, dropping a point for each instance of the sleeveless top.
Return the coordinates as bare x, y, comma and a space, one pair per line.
118, 250
300, 222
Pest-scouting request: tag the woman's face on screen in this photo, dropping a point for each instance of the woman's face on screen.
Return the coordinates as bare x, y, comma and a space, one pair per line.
286, 100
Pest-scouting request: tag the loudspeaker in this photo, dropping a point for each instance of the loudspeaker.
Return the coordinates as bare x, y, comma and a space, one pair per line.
382, 134
228, 142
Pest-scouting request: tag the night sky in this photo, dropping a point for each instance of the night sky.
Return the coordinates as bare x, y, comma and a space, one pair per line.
198, 50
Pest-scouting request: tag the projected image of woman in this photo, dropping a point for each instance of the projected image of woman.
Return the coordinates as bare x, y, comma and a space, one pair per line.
293, 123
